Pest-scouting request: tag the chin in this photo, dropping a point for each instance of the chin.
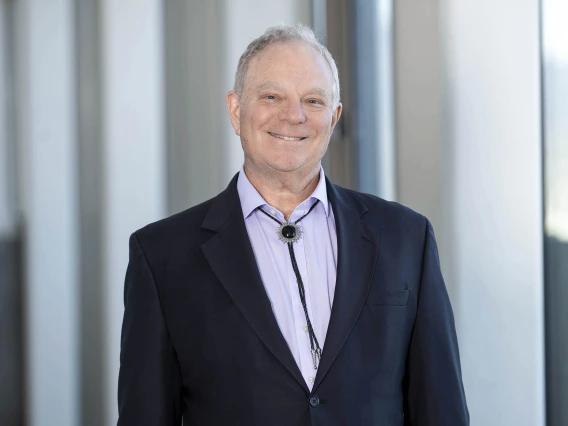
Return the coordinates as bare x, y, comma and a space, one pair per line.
291, 167
285, 168
287, 164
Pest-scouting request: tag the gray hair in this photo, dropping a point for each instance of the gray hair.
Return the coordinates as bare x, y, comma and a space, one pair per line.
283, 34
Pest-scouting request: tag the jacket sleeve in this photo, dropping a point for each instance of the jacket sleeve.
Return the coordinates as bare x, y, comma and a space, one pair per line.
433, 388
149, 382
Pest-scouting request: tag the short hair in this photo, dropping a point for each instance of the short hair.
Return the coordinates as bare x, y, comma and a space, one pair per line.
284, 34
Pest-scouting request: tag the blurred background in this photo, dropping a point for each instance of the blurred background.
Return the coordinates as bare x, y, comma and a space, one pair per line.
112, 115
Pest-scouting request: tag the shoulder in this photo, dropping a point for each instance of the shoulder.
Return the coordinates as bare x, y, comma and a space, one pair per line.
383, 215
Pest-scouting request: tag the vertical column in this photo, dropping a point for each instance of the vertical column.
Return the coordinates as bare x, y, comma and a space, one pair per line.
90, 180
373, 110
493, 200
418, 65
196, 115
469, 157
5, 215
341, 157
11, 365
386, 152
134, 191
555, 147
48, 152
361, 152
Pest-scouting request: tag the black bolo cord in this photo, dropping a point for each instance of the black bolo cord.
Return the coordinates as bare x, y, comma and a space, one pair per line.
316, 350
314, 344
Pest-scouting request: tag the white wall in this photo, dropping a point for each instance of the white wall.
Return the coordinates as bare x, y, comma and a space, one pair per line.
468, 126
493, 205
46, 126
134, 153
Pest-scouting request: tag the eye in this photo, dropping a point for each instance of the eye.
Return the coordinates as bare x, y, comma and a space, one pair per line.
315, 102
270, 97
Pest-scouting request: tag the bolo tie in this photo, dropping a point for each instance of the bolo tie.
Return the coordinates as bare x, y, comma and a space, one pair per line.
289, 233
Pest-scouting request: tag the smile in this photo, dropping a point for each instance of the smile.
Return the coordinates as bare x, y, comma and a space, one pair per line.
287, 138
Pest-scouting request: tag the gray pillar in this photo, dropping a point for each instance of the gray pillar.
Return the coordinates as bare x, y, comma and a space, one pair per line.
91, 207
361, 154
11, 365
418, 89
195, 55
373, 109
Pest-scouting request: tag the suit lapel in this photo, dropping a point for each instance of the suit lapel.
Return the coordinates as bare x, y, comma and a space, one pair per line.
231, 258
357, 247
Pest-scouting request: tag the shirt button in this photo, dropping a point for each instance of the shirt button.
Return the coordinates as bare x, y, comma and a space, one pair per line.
272, 212
306, 329
311, 379
314, 401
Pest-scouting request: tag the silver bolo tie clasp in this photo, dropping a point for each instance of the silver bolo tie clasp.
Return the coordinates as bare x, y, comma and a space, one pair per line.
316, 356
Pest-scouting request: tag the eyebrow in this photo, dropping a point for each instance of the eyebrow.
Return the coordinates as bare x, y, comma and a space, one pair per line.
275, 86
318, 91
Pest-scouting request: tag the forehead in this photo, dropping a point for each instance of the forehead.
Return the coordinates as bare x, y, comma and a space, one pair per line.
289, 63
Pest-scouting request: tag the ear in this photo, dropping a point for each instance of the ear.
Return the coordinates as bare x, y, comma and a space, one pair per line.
234, 108
336, 114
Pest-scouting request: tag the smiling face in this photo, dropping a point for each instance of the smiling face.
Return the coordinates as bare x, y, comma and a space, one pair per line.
285, 114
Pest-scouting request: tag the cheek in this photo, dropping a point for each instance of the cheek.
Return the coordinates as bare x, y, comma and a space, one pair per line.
247, 128
323, 125
258, 117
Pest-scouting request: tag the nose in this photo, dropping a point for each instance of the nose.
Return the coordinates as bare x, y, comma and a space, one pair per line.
292, 111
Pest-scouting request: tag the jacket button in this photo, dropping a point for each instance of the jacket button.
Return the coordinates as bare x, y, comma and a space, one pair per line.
314, 401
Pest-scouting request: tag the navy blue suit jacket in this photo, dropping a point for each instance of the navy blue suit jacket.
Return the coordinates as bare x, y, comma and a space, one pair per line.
200, 341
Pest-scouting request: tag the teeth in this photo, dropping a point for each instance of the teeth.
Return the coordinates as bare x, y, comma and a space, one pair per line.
286, 138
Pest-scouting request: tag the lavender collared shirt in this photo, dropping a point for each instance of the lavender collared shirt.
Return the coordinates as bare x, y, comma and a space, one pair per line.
316, 255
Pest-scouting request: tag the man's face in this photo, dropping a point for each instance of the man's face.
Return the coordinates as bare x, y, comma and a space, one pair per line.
285, 115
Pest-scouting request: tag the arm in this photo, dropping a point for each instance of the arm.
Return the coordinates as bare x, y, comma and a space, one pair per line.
433, 389
149, 382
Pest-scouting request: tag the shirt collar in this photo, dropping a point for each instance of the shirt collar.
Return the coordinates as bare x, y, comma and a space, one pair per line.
251, 198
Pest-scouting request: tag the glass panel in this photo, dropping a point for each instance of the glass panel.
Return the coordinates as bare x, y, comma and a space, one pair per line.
555, 124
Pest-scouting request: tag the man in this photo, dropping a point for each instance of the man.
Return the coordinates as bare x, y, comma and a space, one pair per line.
287, 300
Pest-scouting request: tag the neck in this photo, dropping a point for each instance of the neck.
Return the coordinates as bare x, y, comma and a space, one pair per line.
283, 190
